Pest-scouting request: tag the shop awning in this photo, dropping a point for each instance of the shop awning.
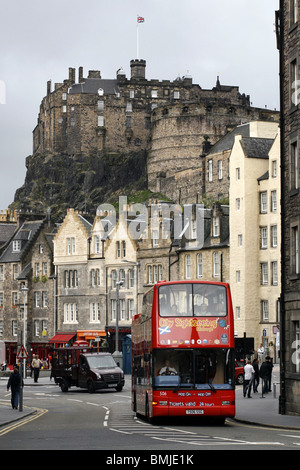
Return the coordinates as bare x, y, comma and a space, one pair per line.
62, 337
90, 334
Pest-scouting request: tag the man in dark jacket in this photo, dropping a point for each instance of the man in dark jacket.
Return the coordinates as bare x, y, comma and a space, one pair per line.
265, 373
14, 383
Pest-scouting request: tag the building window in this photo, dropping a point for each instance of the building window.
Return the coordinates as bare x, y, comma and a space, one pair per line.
14, 299
263, 237
274, 267
265, 310
176, 95
100, 105
155, 238
122, 309
274, 201
14, 328
274, 241
113, 309
130, 308
70, 245
128, 107
122, 277
95, 277
131, 278
188, 266
210, 170
274, 168
97, 244
114, 278
118, 250
1, 272
216, 264
294, 181
15, 271
124, 249
154, 273
36, 299
240, 239
294, 82
216, 226
295, 250
238, 313
238, 174
238, 276
154, 94
264, 273
44, 299
263, 202
1, 299
293, 11
220, 169
70, 313
36, 328
238, 204
199, 265
131, 94
100, 121
17, 245
95, 312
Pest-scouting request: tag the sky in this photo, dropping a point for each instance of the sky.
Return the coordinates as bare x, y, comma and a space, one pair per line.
40, 40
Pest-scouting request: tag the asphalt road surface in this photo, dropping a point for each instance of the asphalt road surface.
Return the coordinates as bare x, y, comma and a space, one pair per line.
103, 421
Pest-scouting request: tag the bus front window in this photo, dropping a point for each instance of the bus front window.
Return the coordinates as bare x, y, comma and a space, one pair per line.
193, 368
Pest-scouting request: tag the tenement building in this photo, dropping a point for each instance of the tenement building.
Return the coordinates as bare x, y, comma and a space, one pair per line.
288, 38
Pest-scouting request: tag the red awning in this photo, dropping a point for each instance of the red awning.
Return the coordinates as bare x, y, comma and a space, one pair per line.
62, 338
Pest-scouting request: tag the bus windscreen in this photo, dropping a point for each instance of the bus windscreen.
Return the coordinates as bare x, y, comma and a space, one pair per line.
192, 300
209, 369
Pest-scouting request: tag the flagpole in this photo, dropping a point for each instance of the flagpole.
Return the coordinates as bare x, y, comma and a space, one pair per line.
137, 39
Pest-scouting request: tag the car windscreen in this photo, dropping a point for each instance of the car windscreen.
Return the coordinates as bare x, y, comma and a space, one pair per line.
101, 362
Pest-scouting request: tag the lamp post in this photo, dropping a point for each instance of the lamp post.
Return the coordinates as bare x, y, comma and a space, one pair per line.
118, 285
24, 291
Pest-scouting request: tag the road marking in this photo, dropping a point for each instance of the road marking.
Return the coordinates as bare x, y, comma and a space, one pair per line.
37, 414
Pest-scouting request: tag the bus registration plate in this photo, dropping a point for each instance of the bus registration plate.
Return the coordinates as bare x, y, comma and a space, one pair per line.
194, 412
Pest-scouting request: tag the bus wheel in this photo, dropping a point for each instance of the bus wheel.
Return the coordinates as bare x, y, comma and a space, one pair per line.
64, 386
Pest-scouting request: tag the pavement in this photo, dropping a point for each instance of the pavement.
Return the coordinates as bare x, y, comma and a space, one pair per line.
262, 410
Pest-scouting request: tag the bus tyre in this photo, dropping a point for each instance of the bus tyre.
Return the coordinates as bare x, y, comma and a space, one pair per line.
91, 386
64, 385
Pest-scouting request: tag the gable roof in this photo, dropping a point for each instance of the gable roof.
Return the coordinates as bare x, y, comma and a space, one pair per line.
26, 235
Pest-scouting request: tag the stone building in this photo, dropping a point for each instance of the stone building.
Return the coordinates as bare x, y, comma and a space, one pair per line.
288, 41
255, 233
26, 262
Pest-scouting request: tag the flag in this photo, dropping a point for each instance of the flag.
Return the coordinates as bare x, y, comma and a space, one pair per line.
140, 19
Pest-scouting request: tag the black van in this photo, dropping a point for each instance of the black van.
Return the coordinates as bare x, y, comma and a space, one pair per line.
90, 370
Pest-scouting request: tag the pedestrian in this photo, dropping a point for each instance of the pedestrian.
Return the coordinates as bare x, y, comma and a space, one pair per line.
248, 378
265, 373
36, 365
14, 383
260, 354
256, 375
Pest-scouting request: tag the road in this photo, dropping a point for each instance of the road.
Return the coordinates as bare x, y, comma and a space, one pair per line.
77, 420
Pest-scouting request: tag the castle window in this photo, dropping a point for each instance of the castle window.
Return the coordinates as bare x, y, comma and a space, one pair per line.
64, 96
100, 121
176, 95
100, 105
154, 94
64, 108
131, 94
129, 108
100, 92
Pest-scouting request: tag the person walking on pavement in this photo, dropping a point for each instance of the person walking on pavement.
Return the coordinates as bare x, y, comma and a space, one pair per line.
256, 375
260, 354
36, 364
265, 373
14, 383
248, 378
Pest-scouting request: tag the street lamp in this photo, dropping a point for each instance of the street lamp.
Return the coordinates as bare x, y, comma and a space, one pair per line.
24, 291
118, 284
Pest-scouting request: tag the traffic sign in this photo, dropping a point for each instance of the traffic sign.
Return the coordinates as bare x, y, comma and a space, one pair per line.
22, 354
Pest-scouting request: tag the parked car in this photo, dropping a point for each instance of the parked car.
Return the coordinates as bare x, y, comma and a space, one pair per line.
93, 371
239, 372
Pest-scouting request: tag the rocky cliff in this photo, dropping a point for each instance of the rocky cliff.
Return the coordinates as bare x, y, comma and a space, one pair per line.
59, 181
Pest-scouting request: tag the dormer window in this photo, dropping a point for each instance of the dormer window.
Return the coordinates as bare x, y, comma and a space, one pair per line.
100, 92
17, 245
216, 226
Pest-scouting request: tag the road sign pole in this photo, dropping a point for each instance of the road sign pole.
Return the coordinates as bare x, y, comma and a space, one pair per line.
21, 387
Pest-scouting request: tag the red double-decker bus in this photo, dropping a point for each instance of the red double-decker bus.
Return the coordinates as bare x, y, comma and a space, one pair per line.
183, 351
